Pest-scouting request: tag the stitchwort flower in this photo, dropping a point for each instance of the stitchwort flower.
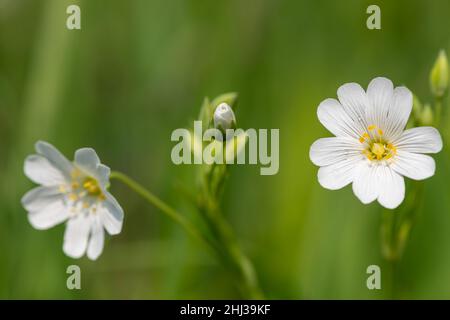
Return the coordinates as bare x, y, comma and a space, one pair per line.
72, 192
371, 148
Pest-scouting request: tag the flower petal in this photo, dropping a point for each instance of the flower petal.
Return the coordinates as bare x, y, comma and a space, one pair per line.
102, 175
333, 117
55, 157
414, 165
326, 151
76, 236
40, 197
355, 103
399, 112
87, 159
96, 240
339, 174
420, 140
45, 213
380, 94
366, 182
39, 170
111, 214
392, 188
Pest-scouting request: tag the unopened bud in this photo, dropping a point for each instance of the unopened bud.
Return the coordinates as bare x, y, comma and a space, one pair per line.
224, 117
426, 116
439, 75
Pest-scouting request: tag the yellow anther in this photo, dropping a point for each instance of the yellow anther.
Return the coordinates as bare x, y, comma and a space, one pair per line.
62, 189
73, 197
380, 132
92, 187
366, 135
361, 139
371, 127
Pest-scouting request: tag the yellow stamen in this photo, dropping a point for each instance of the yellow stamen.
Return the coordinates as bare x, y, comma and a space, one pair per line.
371, 127
73, 197
92, 187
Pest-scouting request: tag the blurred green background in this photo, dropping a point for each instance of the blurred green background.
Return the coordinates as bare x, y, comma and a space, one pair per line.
139, 69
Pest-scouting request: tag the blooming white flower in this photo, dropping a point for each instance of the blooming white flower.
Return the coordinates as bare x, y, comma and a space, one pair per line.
371, 147
74, 192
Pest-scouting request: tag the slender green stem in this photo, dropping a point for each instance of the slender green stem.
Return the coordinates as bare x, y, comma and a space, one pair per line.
233, 256
395, 230
165, 208
223, 243
438, 111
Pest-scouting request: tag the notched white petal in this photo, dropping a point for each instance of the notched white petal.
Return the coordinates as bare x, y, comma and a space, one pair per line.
338, 175
414, 165
87, 159
380, 94
355, 102
420, 140
39, 197
366, 183
96, 240
399, 112
102, 174
392, 188
56, 158
334, 118
48, 216
76, 236
39, 170
111, 214
326, 151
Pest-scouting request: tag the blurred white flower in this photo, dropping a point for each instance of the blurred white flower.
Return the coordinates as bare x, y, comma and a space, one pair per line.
74, 192
224, 117
371, 149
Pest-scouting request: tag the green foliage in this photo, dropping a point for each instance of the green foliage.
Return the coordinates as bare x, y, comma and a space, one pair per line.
139, 69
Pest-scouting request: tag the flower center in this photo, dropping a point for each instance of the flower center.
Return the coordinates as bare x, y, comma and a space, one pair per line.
92, 187
83, 191
376, 147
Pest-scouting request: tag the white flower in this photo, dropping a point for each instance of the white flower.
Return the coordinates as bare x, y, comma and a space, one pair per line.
224, 117
371, 147
73, 192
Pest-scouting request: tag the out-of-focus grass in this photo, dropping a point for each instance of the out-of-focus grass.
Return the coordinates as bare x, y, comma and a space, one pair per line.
139, 69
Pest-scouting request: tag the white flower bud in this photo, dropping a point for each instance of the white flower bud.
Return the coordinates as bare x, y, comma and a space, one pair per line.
224, 117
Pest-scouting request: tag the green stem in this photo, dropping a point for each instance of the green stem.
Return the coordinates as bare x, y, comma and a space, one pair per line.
233, 256
395, 230
438, 111
224, 245
165, 208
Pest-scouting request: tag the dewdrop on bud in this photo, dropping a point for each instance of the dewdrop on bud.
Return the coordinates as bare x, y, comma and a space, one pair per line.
224, 117
439, 75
